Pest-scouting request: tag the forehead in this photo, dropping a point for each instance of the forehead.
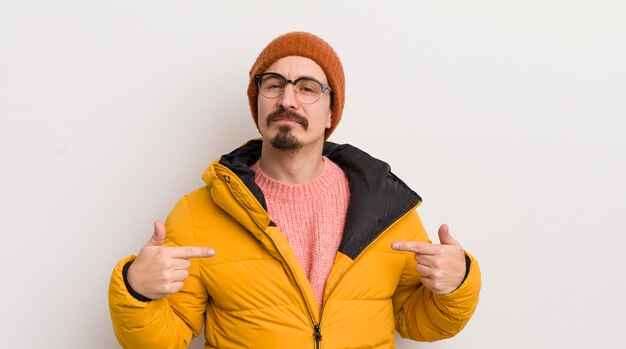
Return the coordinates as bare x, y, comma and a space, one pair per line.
293, 67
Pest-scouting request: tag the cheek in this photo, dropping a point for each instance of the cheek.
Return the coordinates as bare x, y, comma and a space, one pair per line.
262, 109
261, 106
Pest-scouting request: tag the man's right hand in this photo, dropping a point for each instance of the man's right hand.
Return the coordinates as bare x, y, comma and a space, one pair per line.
159, 271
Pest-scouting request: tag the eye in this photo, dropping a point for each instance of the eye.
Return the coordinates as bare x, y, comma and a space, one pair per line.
309, 87
272, 83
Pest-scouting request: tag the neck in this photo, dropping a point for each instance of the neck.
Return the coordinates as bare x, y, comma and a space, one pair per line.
292, 168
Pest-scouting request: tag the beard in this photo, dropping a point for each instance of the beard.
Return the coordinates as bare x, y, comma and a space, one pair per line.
285, 140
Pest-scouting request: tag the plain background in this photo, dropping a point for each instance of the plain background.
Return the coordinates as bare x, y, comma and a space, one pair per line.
507, 117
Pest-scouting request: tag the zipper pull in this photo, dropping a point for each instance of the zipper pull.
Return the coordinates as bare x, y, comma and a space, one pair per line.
317, 334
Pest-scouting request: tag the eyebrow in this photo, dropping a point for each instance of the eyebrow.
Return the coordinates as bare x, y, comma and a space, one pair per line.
299, 77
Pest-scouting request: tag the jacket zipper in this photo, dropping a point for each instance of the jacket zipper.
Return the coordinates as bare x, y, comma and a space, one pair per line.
317, 335
317, 328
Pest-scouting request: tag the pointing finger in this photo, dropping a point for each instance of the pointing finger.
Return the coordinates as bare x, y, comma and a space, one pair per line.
187, 252
414, 246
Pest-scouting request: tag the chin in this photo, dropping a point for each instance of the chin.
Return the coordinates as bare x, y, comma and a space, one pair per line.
286, 140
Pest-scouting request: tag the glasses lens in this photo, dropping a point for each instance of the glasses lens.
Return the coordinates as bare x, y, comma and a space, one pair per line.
309, 91
272, 85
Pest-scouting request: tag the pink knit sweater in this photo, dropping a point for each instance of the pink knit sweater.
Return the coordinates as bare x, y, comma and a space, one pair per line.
311, 215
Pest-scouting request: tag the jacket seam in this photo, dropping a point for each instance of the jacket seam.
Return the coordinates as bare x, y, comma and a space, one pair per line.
241, 261
233, 311
240, 197
195, 238
458, 311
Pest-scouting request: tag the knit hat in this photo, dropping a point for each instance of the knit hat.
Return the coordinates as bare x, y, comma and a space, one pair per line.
304, 45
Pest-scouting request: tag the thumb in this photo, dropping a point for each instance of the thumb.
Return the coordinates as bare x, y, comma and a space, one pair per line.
444, 236
158, 236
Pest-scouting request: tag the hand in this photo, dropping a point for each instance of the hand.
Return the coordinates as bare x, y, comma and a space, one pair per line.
442, 267
159, 271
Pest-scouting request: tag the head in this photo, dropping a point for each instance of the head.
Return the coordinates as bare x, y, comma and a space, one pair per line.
285, 118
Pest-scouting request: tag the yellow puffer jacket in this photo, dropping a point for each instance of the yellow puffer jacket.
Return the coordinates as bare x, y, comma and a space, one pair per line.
255, 294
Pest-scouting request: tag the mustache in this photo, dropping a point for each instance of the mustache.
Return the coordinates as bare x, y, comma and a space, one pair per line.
286, 114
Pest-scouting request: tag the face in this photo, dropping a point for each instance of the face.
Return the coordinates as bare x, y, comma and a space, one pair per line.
285, 122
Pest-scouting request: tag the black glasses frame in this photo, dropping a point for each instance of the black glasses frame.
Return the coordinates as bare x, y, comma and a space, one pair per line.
258, 77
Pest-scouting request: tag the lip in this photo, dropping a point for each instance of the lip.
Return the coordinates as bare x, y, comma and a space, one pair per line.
286, 121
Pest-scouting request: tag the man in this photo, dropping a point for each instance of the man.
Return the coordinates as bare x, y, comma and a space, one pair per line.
294, 242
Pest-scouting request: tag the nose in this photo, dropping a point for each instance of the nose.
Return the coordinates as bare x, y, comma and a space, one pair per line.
288, 98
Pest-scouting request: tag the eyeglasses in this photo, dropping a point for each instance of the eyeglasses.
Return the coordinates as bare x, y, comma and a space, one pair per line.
307, 90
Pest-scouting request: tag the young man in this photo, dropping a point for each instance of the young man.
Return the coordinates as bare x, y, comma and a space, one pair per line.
294, 242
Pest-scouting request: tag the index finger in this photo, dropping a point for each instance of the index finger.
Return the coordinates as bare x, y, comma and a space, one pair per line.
187, 252
414, 246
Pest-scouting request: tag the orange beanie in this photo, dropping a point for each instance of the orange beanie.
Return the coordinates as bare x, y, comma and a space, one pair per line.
304, 45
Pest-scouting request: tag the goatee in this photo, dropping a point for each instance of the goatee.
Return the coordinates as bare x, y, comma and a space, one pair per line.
285, 140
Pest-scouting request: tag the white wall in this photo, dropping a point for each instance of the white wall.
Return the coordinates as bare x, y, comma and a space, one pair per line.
507, 117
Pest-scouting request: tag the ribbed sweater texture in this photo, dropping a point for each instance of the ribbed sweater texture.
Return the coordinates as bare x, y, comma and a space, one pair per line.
311, 216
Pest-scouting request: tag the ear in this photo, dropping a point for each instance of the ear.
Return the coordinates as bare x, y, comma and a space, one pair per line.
329, 123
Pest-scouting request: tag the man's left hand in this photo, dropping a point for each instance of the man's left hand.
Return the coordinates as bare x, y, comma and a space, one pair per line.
442, 267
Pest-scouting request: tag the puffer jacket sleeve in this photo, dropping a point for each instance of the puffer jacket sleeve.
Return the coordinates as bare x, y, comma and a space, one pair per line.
169, 322
424, 316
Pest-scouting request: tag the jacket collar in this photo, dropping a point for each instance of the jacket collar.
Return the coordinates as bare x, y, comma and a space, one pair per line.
377, 197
